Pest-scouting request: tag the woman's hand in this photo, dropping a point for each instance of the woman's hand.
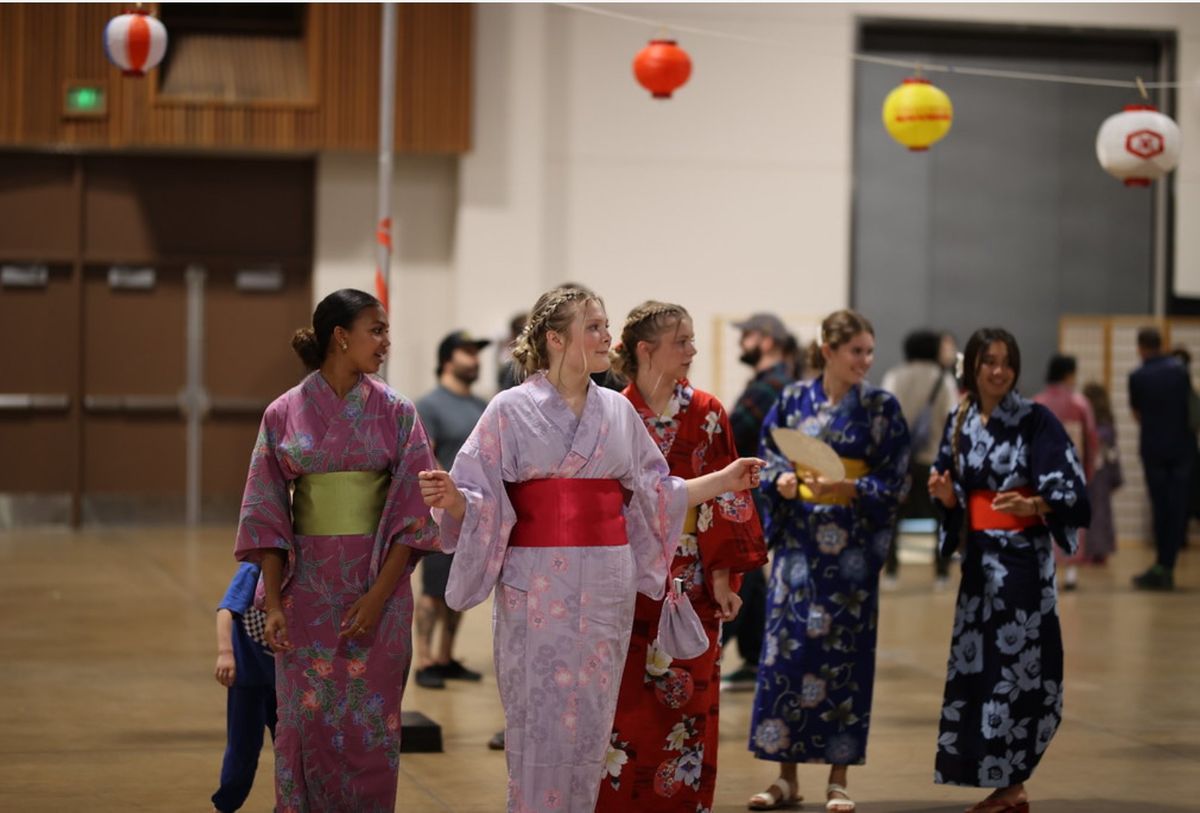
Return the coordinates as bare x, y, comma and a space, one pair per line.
728, 602
788, 485
941, 488
276, 631
1012, 502
226, 670
742, 474
363, 615
439, 491
847, 489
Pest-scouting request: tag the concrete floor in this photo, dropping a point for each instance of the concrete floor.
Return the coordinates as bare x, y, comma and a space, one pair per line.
108, 701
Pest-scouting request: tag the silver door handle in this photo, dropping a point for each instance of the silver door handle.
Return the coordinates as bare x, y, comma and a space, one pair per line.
34, 402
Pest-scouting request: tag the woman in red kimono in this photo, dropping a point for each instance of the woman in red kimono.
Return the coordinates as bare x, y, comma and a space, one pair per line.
663, 754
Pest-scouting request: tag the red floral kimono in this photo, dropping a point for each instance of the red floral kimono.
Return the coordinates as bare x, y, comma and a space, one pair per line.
663, 754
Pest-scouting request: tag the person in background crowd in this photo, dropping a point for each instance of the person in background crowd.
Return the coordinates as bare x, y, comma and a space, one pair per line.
1159, 397
509, 374
449, 413
765, 344
926, 393
1101, 539
1185, 357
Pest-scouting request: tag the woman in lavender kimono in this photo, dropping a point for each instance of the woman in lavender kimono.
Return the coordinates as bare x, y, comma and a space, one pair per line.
336, 559
817, 671
561, 495
1011, 484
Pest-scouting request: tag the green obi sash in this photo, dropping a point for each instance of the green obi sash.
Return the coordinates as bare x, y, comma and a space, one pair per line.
339, 503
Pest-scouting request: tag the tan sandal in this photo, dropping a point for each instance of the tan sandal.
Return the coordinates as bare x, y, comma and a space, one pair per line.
767, 800
842, 805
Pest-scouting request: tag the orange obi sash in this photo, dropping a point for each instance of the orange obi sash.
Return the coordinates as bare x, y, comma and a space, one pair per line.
986, 518
567, 513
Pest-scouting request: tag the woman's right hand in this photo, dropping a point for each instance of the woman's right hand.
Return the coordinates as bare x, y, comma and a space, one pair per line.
941, 488
276, 631
787, 484
439, 491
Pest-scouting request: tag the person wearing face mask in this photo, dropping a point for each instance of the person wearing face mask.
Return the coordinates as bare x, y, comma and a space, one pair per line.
830, 539
766, 347
337, 553
663, 753
1009, 482
561, 497
449, 414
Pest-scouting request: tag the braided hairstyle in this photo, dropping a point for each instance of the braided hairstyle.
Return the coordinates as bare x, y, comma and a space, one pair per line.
977, 345
554, 310
837, 329
645, 323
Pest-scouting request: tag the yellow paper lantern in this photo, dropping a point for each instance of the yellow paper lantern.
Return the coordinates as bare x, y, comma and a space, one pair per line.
917, 114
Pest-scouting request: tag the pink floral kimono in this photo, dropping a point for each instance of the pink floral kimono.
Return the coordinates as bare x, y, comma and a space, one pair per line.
562, 615
337, 744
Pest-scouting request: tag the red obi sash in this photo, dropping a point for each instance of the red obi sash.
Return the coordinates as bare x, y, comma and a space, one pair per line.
567, 513
986, 518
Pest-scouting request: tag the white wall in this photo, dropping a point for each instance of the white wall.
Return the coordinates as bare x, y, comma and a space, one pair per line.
731, 197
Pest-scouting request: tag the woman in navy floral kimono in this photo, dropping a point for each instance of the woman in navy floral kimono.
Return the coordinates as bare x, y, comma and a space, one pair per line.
817, 670
1011, 485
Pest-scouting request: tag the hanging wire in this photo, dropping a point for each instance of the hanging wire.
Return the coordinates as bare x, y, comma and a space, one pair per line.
992, 73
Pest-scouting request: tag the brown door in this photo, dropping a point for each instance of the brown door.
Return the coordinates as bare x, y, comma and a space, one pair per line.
134, 368
248, 362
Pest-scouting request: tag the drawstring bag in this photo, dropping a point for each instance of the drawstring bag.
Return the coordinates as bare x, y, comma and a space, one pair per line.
680, 632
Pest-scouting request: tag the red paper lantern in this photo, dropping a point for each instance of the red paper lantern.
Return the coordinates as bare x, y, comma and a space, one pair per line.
135, 42
662, 67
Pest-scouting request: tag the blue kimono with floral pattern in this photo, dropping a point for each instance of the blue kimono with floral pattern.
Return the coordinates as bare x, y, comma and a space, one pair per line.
1003, 699
817, 670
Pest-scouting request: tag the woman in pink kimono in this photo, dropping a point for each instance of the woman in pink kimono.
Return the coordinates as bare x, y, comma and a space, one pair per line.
561, 495
336, 558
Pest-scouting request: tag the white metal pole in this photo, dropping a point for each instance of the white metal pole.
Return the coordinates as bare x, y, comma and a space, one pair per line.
387, 131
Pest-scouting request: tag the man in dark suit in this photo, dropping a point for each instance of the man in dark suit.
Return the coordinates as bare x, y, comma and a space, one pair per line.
1158, 396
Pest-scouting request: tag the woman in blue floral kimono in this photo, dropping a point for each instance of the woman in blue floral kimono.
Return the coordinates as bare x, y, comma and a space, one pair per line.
817, 671
1011, 485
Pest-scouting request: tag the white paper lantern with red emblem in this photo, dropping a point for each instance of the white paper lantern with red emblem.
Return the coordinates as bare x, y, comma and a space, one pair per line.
1138, 145
135, 42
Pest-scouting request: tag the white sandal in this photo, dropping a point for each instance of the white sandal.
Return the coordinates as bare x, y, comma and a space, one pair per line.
765, 800
843, 805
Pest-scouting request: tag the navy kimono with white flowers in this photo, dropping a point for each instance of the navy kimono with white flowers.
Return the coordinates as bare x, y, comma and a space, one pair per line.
817, 670
1003, 699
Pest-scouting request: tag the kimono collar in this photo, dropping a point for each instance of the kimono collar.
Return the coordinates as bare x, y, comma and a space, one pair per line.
681, 396
849, 401
582, 433
1011, 410
326, 400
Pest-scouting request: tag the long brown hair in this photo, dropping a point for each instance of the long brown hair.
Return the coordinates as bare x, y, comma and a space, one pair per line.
554, 310
977, 345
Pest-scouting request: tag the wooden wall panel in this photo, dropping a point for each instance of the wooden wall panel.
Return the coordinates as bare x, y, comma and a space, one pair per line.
41, 46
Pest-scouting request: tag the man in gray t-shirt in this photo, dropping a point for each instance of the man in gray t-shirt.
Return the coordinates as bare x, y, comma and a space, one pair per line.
449, 414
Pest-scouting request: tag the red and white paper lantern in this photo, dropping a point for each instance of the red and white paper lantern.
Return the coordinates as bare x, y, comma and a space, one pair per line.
1138, 145
135, 42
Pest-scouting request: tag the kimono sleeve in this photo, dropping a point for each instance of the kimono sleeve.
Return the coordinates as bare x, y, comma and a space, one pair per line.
1057, 476
480, 539
951, 521
265, 520
656, 509
405, 518
886, 483
728, 532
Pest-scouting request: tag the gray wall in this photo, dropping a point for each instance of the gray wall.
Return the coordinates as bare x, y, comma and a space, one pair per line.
1007, 221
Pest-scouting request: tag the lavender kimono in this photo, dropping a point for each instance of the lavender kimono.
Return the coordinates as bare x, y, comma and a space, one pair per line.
337, 745
562, 615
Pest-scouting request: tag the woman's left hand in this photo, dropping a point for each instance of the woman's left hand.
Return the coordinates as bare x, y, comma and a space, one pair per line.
728, 602
1012, 502
363, 615
743, 473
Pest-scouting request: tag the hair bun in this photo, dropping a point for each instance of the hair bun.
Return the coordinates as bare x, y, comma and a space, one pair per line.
304, 342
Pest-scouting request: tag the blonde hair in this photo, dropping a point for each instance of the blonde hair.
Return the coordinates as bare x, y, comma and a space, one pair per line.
645, 323
837, 329
554, 310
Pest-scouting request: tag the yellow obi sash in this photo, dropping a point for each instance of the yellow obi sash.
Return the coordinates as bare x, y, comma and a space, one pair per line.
339, 503
690, 520
855, 468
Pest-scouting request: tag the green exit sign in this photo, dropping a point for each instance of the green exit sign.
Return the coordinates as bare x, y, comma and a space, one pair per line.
85, 99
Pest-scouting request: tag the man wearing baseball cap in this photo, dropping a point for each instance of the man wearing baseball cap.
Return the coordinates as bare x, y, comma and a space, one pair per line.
766, 345
449, 414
